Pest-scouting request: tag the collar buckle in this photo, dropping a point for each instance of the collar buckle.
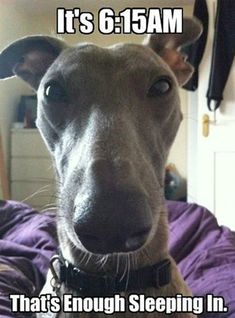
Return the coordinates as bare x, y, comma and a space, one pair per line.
55, 280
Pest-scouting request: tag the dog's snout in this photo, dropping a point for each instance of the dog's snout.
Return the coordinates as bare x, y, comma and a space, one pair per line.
107, 174
114, 222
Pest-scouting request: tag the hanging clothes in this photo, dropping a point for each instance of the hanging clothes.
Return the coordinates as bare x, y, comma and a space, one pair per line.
195, 51
223, 51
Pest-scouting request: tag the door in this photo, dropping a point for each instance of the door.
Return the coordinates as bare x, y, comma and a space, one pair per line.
211, 170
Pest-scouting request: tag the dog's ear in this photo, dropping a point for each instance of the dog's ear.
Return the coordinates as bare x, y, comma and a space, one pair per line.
29, 58
168, 47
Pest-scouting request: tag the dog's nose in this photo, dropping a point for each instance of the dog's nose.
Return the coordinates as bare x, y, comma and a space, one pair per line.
114, 222
108, 245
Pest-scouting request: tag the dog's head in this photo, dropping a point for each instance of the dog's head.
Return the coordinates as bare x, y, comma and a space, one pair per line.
109, 117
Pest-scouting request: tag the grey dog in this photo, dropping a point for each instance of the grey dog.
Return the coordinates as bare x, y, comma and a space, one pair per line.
108, 117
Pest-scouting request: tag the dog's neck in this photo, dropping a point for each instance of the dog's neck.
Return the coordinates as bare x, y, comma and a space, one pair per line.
87, 284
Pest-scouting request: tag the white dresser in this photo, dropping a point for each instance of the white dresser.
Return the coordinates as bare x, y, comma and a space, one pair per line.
32, 173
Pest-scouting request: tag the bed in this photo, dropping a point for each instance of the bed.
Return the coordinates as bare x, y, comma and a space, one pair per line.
204, 252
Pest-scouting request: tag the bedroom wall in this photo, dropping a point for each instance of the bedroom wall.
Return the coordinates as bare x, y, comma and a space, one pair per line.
17, 21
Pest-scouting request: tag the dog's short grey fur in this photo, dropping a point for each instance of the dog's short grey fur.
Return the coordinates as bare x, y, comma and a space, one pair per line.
109, 135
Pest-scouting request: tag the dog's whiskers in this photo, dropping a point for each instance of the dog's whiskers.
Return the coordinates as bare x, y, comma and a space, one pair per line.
125, 268
117, 264
83, 257
101, 261
133, 261
39, 191
89, 255
128, 270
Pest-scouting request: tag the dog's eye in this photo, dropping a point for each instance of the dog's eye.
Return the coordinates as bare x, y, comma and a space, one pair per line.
54, 92
160, 87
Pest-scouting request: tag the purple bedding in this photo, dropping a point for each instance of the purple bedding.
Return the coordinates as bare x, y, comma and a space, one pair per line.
204, 252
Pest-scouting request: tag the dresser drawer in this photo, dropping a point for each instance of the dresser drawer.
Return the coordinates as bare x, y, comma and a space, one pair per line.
40, 195
32, 169
28, 143
32, 173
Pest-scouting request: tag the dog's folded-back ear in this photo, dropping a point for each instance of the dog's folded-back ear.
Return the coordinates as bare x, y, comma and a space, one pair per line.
29, 58
168, 47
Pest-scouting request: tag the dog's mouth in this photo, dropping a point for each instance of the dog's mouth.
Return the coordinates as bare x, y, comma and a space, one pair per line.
113, 263
91, 255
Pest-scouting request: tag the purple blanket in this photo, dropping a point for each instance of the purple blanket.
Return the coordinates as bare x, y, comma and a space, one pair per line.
204, 252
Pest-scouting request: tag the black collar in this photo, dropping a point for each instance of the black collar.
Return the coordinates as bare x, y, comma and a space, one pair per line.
87, 284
